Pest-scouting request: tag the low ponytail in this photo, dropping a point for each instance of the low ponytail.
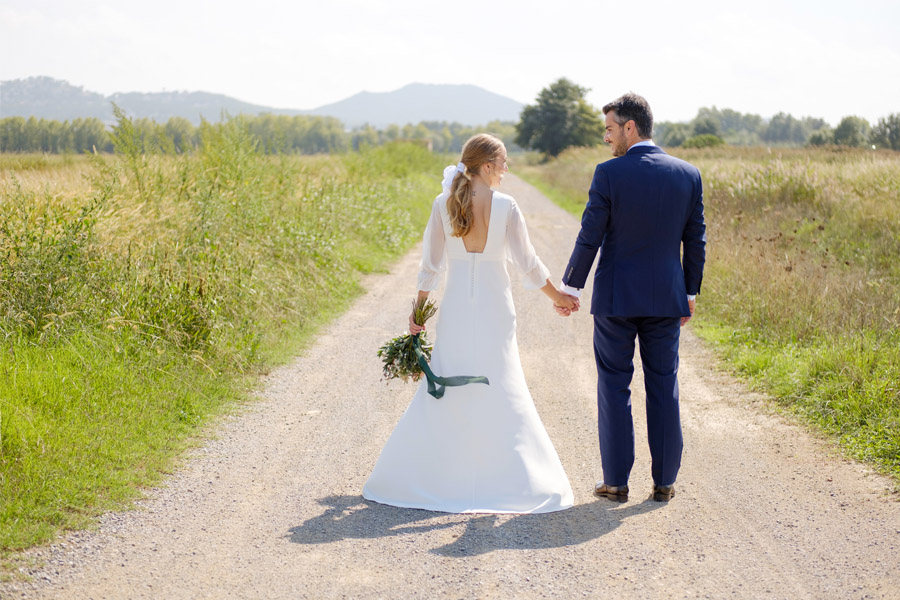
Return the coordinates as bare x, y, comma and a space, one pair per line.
478, 150
459, 205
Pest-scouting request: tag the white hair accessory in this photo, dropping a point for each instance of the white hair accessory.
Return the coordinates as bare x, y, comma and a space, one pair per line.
450, 173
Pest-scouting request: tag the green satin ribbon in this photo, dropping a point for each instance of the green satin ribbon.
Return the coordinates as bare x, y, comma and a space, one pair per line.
437, 385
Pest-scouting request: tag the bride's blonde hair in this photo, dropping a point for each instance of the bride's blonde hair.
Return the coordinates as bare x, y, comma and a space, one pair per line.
478, 150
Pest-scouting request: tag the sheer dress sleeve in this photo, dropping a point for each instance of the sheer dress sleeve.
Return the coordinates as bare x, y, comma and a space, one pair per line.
434, 259
521, 252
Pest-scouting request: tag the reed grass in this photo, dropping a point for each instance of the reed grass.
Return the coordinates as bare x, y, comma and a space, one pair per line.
801, 293
141, 295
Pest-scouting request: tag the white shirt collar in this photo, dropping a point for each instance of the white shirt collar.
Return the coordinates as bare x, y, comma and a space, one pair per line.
642, 143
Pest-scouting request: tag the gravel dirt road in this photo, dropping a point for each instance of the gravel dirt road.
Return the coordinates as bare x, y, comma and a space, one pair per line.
271, 508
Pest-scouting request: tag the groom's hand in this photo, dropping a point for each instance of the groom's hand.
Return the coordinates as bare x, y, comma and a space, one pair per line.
684, 320
566, 304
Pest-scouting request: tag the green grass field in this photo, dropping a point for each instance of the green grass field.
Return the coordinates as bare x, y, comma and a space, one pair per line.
141, 296
801, 294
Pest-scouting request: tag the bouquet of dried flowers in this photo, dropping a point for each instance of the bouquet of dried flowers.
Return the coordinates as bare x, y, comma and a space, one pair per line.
399, 354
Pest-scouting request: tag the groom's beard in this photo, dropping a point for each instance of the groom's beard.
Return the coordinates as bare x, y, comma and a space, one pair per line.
618, 145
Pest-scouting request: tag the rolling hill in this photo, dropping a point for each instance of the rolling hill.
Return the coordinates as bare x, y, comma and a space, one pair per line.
48, 98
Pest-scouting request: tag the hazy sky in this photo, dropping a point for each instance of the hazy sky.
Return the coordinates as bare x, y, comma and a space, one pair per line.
820, 58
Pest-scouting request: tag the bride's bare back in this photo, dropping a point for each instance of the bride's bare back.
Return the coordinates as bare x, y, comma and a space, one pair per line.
476, 238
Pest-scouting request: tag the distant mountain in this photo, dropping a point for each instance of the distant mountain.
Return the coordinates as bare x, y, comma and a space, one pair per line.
417, 102
48, 98
161, 106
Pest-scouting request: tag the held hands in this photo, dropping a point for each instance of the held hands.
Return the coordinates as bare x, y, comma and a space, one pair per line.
566, 304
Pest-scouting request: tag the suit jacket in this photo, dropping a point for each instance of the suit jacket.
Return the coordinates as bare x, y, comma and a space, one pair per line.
642, 208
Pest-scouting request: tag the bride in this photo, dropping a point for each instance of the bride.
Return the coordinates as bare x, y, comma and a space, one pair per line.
480, 448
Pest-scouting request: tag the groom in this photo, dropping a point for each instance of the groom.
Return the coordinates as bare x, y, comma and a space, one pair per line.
644, 207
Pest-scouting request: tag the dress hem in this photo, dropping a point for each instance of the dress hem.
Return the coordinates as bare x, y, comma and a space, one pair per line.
491, 511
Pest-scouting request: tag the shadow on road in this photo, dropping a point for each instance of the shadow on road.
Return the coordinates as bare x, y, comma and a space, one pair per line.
350, 517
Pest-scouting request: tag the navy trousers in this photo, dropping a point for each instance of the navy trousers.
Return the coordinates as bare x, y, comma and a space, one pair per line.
614, 351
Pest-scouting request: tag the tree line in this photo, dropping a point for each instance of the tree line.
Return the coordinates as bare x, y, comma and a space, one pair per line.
18, 134
275, 134
727, 126
561, 117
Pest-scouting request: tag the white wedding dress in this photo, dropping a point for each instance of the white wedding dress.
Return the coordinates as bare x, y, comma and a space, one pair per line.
481, 448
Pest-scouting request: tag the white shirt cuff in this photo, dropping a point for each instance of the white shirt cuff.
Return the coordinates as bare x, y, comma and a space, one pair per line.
691, 297
571, 291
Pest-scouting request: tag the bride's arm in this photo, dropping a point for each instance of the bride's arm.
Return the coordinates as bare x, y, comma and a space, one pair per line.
536, 275
561, 300
522, 253
433, 262
433, 258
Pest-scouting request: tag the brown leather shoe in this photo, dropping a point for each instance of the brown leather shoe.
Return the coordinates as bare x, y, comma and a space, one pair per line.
663, 493
616, 493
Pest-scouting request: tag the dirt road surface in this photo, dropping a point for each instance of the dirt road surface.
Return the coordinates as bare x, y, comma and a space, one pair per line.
272, 507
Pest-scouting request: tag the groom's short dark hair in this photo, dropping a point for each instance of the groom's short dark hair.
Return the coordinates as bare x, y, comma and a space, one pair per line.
631, 107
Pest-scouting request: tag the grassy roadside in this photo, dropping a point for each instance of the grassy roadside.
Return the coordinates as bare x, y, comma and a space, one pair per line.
140, 296
801, 295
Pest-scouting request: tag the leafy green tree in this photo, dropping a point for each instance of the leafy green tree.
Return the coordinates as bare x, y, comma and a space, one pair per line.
886, 133
560, 118
671, 135
506, 131
392, 133
365, 136
852, 131
31, 136
704, 140
153, 137
324, 134
731, 121
706, 126
814, 124
42, 135
784, 128
89, 135
181, 132
822, 137
416, 132
12, 134
732, 126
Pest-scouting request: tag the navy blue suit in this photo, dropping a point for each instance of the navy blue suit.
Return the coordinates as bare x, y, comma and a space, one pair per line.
644, 208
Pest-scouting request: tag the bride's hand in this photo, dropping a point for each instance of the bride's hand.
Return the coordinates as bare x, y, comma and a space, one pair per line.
413, 328
565, 304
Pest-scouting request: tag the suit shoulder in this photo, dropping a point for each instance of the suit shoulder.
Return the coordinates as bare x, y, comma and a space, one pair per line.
608, 166
680, 164
612, 163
